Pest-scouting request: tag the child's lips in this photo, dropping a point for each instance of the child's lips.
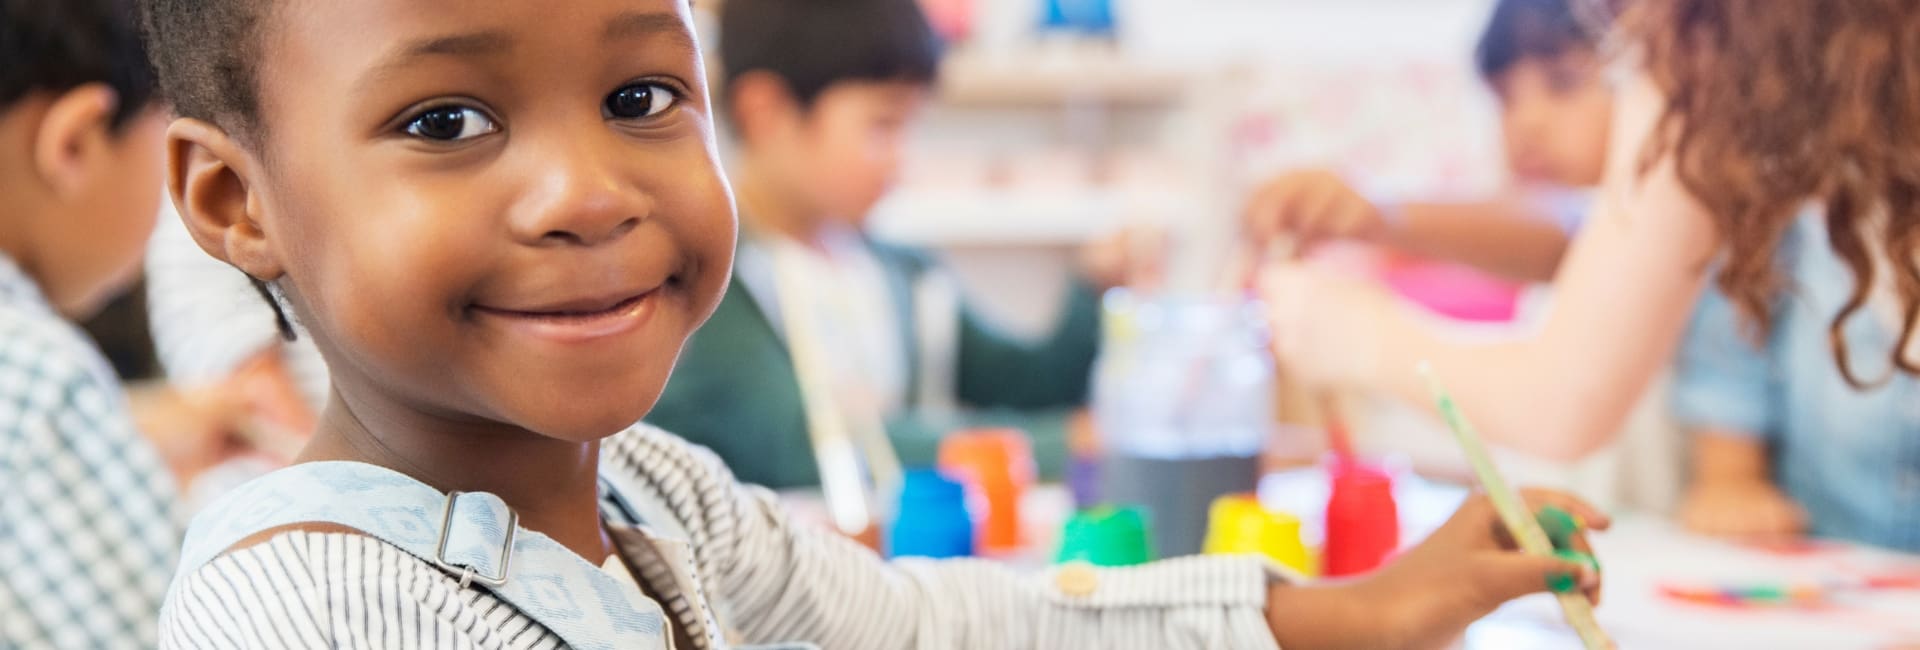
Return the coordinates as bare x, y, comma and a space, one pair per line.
577, 321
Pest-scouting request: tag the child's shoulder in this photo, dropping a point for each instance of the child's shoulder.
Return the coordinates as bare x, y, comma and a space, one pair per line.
649, 451
47, 364
323, 587
29, 337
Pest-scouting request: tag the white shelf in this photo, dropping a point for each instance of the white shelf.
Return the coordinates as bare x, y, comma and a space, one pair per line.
1055, 77
1015, 217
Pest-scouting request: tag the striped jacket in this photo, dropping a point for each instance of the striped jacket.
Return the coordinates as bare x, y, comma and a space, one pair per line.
728, 567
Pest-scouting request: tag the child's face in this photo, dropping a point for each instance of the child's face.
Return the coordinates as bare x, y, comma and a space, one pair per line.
1555, 114
492, 212
844, 152
92, 248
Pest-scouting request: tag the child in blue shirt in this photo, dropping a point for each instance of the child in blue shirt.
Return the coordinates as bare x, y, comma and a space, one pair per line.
1784, 445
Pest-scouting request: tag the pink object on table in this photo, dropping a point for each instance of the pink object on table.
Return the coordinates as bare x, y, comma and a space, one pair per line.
1453, 290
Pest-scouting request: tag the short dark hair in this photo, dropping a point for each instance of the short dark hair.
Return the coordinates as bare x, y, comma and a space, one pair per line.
813, 44
59, 45
204, 52
1536, 29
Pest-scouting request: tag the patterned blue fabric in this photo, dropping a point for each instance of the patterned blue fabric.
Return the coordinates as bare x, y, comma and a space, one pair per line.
575, 599
1850, 457
87, 509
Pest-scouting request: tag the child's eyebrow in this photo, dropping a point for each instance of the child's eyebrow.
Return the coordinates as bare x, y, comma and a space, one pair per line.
633, 25
472, 44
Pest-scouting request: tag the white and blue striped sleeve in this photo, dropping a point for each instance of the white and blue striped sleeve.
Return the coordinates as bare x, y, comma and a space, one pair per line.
775, 580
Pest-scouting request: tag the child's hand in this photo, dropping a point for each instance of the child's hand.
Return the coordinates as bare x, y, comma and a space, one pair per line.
1428, 596
1470, 567
1741, 508
1134, 256
1312, 205
192, 430
1327, 329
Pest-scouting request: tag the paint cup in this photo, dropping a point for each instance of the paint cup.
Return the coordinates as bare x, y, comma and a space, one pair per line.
1107, 536
932, 520
1363, 524
1239, 525
1177, 492
1183, 402
997, 466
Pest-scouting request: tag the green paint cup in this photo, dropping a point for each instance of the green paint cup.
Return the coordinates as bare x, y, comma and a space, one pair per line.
1107, 536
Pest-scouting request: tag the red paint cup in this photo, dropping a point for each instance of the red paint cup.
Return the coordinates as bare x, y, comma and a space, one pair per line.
1363, 524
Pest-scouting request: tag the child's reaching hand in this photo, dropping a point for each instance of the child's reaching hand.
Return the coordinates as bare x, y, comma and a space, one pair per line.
1325, 327
1733, 493
1312, 205
1133, 256
1428, 596
1741, 508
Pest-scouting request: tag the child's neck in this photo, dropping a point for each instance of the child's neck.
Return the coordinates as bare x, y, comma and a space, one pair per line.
553, 485
767, 208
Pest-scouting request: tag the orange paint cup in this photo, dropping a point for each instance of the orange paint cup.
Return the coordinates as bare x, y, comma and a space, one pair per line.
997, 467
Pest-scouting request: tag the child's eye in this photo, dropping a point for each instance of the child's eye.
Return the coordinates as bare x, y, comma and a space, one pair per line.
640, 100
450, 124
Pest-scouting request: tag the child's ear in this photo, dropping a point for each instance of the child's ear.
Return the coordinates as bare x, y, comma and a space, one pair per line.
210, 177
75, 132
761, 104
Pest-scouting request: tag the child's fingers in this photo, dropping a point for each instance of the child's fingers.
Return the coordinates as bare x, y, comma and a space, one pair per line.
1263, 217
1325, 213
1504, 576
1588, 516
1772, 521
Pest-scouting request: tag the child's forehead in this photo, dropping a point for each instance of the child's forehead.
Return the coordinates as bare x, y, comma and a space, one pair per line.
374, 33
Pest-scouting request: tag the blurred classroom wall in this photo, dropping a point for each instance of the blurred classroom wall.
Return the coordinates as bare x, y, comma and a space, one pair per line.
1038, 141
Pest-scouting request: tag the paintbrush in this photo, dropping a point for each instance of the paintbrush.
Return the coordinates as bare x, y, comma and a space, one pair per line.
1519, 520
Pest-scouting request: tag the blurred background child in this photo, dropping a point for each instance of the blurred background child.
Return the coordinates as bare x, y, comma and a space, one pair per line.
87, 530
1543, 62
1696, 178
822, 98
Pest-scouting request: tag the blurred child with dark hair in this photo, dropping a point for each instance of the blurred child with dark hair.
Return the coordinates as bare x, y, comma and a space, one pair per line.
822, 96
87, 536
1542, 60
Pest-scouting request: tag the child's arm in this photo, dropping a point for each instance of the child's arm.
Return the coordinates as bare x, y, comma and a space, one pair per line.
1733, 494
1622, 298
1726, 393
1506, 237
1510, 236
780, 581
998, 370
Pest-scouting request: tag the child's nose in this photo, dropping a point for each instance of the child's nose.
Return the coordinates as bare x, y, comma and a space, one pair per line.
579, 199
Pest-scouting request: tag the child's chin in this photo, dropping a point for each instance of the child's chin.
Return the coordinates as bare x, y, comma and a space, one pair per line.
586, 427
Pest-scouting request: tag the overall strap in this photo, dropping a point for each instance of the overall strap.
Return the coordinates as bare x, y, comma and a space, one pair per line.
473, 536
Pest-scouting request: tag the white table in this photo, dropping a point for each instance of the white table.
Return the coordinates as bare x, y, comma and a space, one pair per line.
1639, 555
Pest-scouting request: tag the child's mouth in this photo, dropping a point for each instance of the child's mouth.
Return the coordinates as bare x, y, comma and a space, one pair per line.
577, 321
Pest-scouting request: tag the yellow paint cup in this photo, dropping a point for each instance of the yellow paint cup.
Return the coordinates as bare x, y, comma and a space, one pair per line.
1239, 525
